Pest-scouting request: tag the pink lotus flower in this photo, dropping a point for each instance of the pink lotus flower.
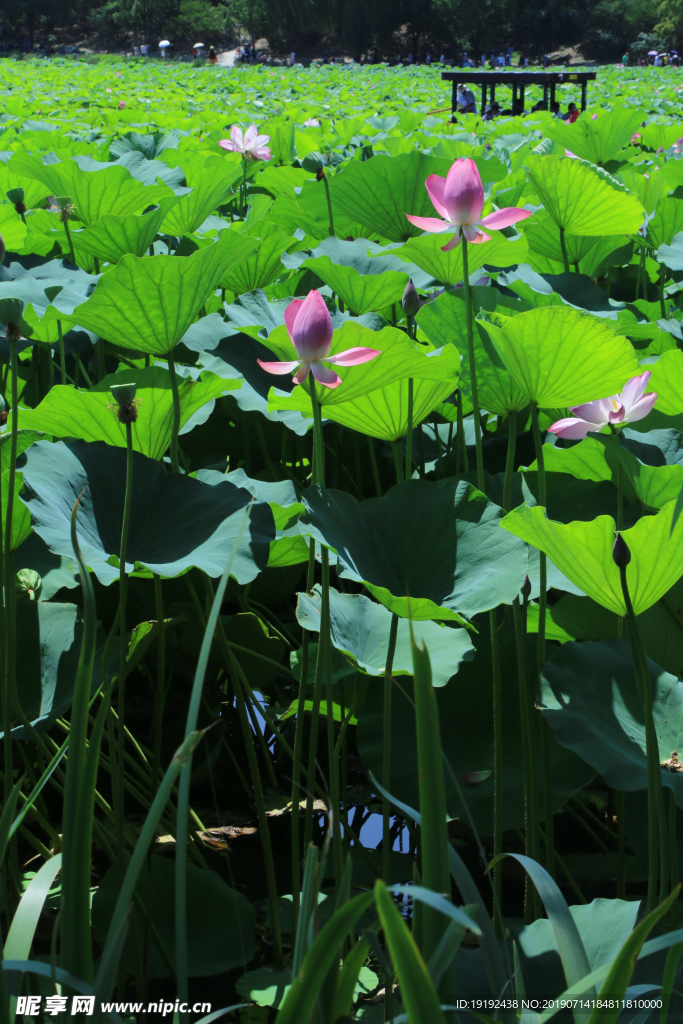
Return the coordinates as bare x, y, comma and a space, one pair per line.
631, 405
252, 146
122, 105
459, 199
118, 74
107, 90
312, 122
309, 326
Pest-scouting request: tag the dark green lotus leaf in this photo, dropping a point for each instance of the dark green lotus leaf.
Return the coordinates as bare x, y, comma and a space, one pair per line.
176, 522
438, 542
68, 412
211, 948
446, 267
48, 648
590, 701
54, 570
114, 235
378, 193
360, 629
148, 303
467, 739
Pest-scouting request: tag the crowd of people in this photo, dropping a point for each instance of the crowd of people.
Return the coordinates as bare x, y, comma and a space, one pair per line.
668, 58
466, 103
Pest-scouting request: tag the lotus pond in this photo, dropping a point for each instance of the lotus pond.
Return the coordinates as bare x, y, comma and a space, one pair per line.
342, 548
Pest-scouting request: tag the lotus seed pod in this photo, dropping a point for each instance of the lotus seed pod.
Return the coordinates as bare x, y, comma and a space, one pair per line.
28, 584
620, 552
124, 395
410, 303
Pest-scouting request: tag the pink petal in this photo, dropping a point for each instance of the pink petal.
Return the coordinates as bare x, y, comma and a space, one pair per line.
454, 242
324, 375
431, 224
250, 136
435, 187
226, 144
598, 411
353, 356
617, 415
302, 373
262, 153
642, 407
572, 429
278, 368
463, 195
236, 137
261, 140
504, 218
312, 330
290, 316
634, 389
474, 235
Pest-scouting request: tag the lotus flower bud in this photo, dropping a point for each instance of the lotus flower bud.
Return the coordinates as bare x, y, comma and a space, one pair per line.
525, 589
28, 584
410, 303
620, 552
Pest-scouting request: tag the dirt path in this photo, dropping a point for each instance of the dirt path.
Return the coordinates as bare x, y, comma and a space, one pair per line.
227, 58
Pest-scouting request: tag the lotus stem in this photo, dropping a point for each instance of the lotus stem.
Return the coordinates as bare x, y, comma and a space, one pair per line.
298, 746
119, 795
563, 247
473, 368
62, 354
621, 845
656, 820
386, 748
160, 693
329, 203
528, 727
175, 430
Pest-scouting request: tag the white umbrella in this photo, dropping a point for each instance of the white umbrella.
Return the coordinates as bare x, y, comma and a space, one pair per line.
164, 43
197, 46
652, 53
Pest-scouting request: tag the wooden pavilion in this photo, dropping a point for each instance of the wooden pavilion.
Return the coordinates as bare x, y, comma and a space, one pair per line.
517, 81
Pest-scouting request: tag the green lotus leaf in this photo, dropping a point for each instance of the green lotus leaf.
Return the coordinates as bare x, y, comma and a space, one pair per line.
583, 552
361, 293
430, 550
48, 648
446, 320
667, 379
147, 303
467, 740
379, 193
583, 199
560, 356
176, 522
400, 359
92, 193
21, 520
113, 235
35, 192
210, 902
210, 180
653, 484
360, 629
671, 255
383, 412
591, 703
599, 140
543, 236
446, 267
89, 415
262, 267
12, 229
651, 189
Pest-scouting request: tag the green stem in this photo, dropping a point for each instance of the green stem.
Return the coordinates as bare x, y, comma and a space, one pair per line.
409, 432
329, 204
542, 598
298, 747
528, 729
398, 461
386, 749
175, 465
244, 188
6, 567
673, 854
662, 281
62, 354
69, 240
656, 821
123, 654
160, 693
497, 773
472, 365
563, 247
621, 845
373, 465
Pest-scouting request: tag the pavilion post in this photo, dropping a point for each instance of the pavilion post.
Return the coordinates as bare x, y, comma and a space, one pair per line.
521, 97
584, 89
493, 92
483, 97
552, 93
514, 98
545, 93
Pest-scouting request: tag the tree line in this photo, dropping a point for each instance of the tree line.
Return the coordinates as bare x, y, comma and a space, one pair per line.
603, 28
